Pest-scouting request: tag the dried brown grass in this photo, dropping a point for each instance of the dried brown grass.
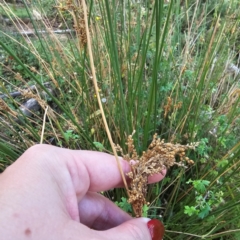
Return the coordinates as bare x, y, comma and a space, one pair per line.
158, 157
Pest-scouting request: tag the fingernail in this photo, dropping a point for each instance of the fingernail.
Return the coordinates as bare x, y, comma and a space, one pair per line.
144, 219
156, 229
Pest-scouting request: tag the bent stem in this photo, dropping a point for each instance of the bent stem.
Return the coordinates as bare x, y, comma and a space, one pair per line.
89, 46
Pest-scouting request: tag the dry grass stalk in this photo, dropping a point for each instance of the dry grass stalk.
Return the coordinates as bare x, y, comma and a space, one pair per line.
158, 157
5, 108
94, 78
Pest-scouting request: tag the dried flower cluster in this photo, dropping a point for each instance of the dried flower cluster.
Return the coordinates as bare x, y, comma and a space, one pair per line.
171, 107
75, 9
159, 156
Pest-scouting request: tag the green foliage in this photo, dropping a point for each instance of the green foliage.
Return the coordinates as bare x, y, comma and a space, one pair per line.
202, 148
205, 200
99, 146
124, 205
162, 66
145, 210
18, 11
69, 134
199, 185
190, 210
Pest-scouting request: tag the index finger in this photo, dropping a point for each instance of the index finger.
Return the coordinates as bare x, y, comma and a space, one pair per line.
103, 170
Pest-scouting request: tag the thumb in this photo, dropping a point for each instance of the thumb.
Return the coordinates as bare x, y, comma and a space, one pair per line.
134, 229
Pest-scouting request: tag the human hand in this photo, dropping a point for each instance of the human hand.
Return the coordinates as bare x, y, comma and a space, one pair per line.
49, 190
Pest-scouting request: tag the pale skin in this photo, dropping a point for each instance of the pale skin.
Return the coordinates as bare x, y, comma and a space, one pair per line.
52, 193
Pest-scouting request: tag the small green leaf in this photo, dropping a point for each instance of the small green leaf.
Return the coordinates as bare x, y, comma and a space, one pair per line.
222, 163
124, 205
190, 210
199, 185
99, 146
204, 211
145, 210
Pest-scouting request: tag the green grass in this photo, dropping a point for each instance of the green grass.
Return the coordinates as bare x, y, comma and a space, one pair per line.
161, 67
19, 11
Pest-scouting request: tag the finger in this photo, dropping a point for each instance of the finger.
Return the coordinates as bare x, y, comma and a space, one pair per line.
82, 170
130, 230
154, 178
99, 213
103, 170
157, 177
97, 171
